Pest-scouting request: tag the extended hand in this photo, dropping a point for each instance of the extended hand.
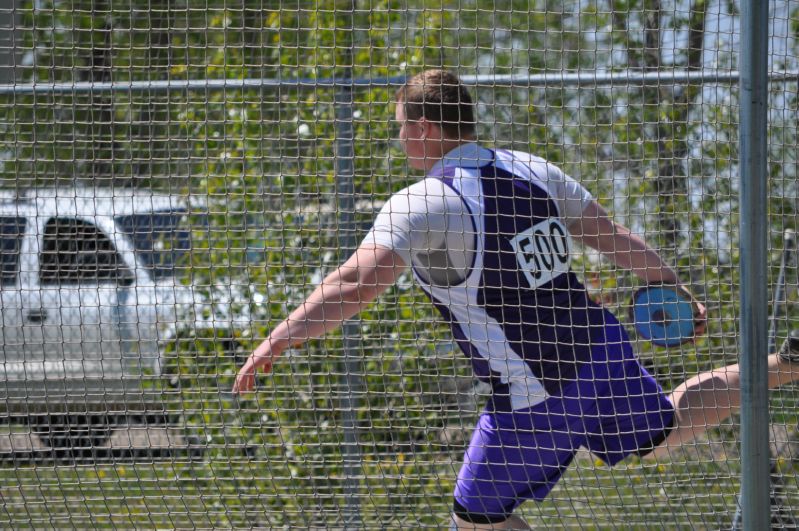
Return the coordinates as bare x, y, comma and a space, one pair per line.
700, 318
700, 312
245, 380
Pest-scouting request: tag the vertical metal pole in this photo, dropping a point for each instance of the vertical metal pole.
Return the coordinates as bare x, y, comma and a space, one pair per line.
755, 506
10, 41
345, 201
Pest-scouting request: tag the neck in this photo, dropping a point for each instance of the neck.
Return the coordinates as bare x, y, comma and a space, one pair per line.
442, 148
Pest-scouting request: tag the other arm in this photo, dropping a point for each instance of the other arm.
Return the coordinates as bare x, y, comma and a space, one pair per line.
595, 229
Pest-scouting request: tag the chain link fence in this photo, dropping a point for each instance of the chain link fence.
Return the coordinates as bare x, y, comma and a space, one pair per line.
175, 178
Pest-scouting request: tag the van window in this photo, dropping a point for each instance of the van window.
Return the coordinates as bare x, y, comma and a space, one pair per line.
160, 239
76, 251
12, 228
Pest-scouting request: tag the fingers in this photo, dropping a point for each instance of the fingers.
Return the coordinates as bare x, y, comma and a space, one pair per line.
245, 379
700, 311
244, 384
700, 319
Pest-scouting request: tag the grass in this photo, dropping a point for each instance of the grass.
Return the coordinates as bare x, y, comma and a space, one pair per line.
265, 468
405, 490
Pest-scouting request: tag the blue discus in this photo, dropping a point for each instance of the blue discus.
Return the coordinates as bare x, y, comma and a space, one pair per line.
663, 315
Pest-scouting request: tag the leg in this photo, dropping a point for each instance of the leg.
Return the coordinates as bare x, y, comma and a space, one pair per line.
706, 400
512, 457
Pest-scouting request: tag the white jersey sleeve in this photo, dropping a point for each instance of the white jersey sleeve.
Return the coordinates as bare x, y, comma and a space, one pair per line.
570, 195
428, 226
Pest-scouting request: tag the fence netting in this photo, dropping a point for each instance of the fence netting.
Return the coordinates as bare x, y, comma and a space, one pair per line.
177, 177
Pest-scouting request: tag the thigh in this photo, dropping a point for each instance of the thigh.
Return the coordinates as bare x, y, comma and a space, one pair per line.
513, 457
635, 414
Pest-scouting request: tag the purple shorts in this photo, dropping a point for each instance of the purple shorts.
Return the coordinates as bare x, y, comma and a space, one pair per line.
614, 409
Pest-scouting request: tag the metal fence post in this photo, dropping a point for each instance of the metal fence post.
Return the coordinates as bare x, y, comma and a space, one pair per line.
755, 505
345, 201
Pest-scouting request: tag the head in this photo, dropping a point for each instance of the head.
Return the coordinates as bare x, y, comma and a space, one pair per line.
436, 114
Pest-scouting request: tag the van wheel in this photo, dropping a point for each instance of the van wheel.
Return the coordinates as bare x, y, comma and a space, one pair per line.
73, 430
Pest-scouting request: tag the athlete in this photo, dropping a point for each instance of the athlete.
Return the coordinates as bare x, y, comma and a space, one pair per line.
488, 234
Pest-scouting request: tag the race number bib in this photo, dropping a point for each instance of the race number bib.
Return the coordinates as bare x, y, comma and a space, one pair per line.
543, 251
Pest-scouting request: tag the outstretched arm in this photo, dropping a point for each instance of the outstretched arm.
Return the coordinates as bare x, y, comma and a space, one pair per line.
340, 296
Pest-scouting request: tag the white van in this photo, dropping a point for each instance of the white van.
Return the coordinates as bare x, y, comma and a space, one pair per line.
89, 296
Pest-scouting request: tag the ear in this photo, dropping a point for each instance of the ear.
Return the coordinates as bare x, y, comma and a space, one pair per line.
429, 130
424, 128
